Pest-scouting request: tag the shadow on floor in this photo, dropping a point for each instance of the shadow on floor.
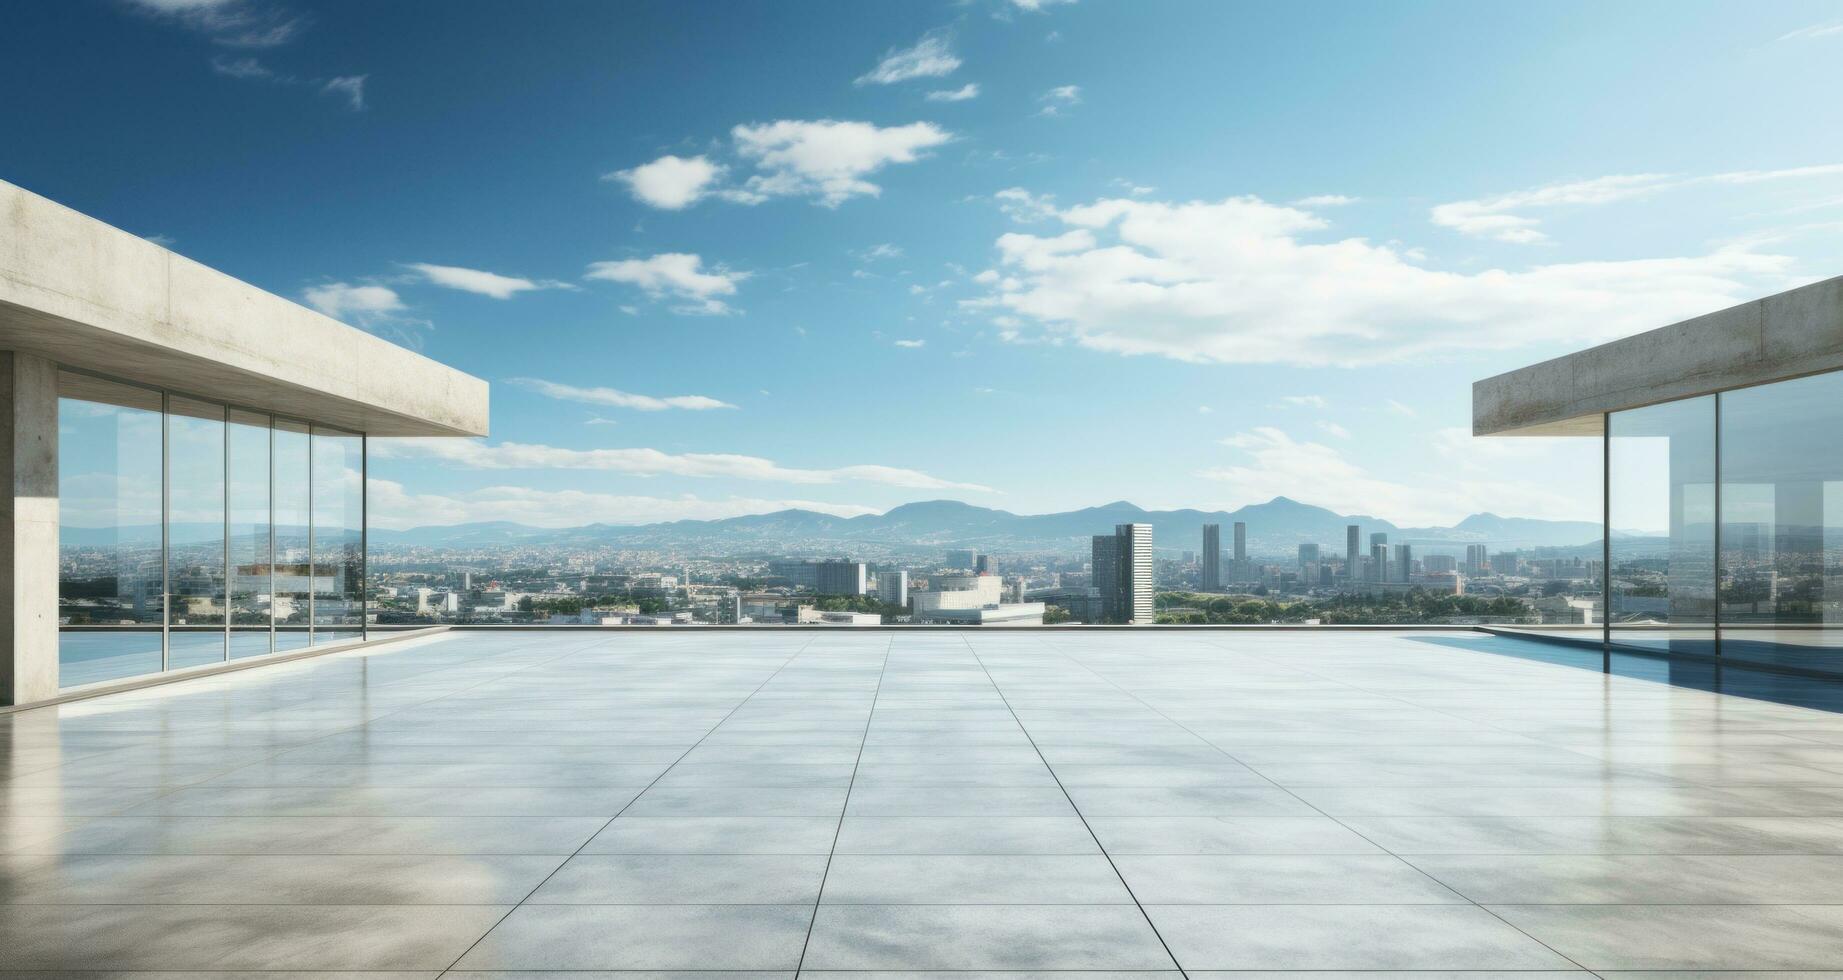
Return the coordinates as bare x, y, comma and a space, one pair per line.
1762, 685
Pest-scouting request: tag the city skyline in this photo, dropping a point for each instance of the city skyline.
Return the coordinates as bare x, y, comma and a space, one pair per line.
695, 292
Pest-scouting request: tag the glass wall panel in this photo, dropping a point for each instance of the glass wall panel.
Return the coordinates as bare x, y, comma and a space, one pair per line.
338, 536
195, 566
293, 589
1782, 523
251, 585
1661, 515
109, 571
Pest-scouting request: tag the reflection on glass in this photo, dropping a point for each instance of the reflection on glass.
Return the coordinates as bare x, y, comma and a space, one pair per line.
109, 489
195, 532
1661, 511
251, 585
338, 536
293, 589
1782, 523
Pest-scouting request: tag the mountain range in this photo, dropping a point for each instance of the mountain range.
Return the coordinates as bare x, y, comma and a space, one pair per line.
1275, 528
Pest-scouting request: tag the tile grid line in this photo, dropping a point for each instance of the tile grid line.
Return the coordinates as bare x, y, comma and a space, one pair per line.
624, 807
1230, 756
1072, 805
136, 808
838, 831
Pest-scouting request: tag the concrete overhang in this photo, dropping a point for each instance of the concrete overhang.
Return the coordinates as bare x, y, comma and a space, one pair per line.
92, 296
1787, 335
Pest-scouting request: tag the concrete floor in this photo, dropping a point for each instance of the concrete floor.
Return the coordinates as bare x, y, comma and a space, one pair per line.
831, 802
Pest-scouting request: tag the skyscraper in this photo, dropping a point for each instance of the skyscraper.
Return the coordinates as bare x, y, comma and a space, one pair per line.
1122, 564
893, 587
1308, 555
1378, 560
1212, 557
1476, 560
1351, 557
1241, 542
1404, 560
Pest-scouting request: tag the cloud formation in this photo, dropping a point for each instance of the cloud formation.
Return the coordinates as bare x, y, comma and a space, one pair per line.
828, 160
670, 183
477, 454
1501, 218
619, 399
1241, 280
479, 282
342, 300
678, 275
1275, 464
968, 91
930, 57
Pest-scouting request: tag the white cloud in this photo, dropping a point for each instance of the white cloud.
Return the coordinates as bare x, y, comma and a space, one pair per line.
241, 68
232, 23
886, 250
349, 87
1303, 401
931, 57
1324, 201
598, 420
1814, 31
1399, 409
911, 344
1499, 218
670, 182
1333, 429
390, 505
1241, 281
1038, 6
1275, 464
1021, 205
1058, 99
968, 91
676, 274
619, 399
483, 283
341, 300
826, 158
476, 454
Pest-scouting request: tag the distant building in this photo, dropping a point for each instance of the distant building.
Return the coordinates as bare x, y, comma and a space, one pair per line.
1476, 562
1083, 603
1123, 573
834, 576
1308, 555
1404, 563
1008, 614
966, 558
1352, 557
1506, 563
1435, 564
893, 587
1378, 560
1212, 557
959, 592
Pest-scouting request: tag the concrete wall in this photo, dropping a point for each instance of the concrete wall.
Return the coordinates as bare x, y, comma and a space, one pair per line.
1787, 335
28, 529
92, 296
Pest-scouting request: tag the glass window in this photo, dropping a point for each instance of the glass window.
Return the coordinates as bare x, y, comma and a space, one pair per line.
1782, 523
293, 591
251, 584
109, 488
195, 566
1661, 518
338, 536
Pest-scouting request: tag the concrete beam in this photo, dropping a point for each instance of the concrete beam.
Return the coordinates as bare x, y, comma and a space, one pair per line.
1787, 335
28, 529
91, 296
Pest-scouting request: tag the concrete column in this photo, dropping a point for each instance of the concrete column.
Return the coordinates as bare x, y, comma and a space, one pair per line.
28, 529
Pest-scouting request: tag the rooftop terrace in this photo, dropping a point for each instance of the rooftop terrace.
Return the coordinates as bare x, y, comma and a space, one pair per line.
923, 801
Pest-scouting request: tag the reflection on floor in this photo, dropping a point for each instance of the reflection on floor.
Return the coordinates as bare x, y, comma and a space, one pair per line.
1737, 680
923, 801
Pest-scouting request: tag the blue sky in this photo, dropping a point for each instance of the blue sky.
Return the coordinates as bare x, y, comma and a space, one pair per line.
723, 258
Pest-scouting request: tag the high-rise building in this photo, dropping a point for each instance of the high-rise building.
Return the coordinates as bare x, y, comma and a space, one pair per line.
893, 587
985, 565
965, 558
1122, 563
1308, 555
838, 577
1352, 558
1241, 542
1378, 560
1476, 560
1404, 562
1212, 557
